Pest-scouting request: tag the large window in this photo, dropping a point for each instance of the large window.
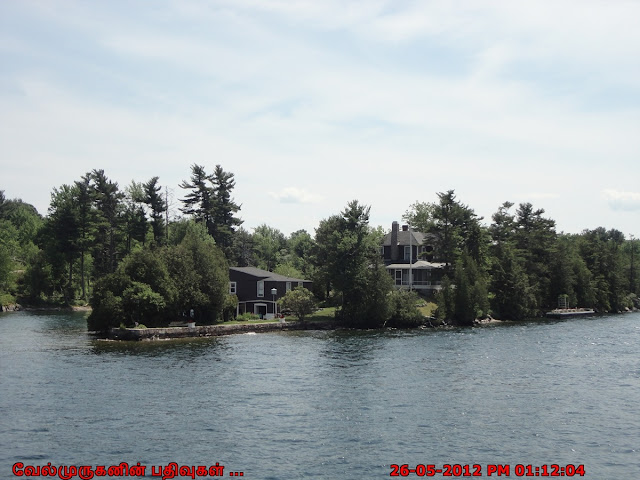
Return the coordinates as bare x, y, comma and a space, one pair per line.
407, 252
261, 288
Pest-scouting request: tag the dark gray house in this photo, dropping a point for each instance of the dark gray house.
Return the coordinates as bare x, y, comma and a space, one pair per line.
254, 288
407, 257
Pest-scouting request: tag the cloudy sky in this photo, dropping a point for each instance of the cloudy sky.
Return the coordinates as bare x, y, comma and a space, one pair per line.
314, 103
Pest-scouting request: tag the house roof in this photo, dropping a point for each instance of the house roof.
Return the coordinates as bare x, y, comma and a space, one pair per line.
266, 275
419, 265
403, 238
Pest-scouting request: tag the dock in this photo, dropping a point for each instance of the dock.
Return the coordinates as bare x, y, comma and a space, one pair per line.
571, 312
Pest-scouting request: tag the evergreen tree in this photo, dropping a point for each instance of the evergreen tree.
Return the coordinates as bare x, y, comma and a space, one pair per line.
198, 202
535, 238
456, 228
134, 217
153, 198
85, 218
512, 298
224, 210
349, 251
107, 201
63, 232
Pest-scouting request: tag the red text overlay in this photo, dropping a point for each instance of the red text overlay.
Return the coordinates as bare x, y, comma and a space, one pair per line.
86, 472
492, 470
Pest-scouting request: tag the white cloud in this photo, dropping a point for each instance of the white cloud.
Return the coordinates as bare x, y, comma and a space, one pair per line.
295, 195
497, 100
625, 201
541, 195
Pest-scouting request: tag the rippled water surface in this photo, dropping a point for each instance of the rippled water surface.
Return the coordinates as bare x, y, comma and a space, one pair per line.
325, 405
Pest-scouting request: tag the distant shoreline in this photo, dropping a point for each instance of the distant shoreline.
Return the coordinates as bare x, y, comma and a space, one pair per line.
17, 307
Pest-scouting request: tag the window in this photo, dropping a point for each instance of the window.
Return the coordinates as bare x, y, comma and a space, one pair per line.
299, 284
261, 288
232, 288
407, 252
288, 286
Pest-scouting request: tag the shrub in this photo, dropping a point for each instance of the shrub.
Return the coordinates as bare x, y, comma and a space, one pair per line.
404, 312
248, 316
300, 301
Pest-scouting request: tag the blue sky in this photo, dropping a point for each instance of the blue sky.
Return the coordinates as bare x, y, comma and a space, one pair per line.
312, 104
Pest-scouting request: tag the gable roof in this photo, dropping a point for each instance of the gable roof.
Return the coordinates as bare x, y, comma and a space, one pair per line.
403, 238
266, 275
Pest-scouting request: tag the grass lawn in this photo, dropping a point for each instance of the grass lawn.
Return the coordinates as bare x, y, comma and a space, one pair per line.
322, 315
429, 309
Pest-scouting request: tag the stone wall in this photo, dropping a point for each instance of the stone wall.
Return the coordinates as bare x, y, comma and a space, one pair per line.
136, 334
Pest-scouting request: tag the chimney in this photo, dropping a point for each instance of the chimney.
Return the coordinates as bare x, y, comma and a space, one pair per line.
394, 241
405, 228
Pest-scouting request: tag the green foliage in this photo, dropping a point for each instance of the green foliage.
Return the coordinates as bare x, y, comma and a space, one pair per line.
242, 248
512, 299
20, 224
107, 201
225, 210
288, 270
141, 303
247, 316
347, 258
456, 228
157, 286
108, 311
209, 202
404, 312
300, 301
445, 300
6, 263
209, 281
466, 298
421, 217
198, 202
154, 199
230, 307
268, 245
297, 256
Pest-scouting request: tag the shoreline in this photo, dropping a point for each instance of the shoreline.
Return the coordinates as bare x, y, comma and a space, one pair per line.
17, 307
165, 333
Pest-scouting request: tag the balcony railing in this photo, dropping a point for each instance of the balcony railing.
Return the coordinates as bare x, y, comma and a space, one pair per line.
419, 283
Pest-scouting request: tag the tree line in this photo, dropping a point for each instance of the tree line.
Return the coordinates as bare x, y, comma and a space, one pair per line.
518, 265
120, 250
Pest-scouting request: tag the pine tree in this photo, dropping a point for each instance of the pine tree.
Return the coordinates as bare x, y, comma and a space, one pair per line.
156, 203
224, 209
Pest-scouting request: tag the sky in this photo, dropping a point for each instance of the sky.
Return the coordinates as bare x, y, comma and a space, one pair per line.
312, 104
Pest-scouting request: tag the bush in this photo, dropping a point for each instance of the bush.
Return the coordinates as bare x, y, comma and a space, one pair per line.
405, 313
300, 301
230, 307
248, 316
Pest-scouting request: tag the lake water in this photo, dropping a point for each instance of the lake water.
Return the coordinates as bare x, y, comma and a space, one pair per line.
325, 405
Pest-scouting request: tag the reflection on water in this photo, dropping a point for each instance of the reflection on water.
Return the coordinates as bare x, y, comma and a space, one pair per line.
342, 404
183, 348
